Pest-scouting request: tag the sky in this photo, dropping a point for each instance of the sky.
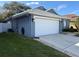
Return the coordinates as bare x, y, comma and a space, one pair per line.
61, 7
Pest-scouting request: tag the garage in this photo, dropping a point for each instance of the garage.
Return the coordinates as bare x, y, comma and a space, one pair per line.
46, 27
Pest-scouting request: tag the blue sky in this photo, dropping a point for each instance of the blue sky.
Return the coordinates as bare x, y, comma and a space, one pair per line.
61, 7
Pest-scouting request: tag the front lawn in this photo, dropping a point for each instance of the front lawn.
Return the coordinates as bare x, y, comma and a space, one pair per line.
12, 44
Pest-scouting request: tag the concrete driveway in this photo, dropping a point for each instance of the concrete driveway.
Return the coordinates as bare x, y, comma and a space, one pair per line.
65, 43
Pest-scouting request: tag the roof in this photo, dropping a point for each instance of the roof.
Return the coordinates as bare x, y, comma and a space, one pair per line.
72, 17
39, 13
52, 11
41, 8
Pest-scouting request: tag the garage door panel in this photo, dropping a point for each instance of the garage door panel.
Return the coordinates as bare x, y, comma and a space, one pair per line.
45, 27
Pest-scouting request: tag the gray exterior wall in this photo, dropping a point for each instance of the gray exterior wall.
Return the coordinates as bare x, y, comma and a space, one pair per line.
32, 27
67, 23
61, 25
25, 22
13, 21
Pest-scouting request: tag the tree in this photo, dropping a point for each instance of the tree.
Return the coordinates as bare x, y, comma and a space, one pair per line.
12, 8
1, 17
4, 15
15, 7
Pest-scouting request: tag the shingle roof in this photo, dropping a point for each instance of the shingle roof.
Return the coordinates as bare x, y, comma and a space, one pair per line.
41, 8
72, 17
40, 13
51, 11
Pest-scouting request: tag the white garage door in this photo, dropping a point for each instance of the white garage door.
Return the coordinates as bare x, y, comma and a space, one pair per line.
45, 27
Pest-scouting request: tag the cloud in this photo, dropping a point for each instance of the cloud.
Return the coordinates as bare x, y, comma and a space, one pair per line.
60, 7
75, 11
32, 3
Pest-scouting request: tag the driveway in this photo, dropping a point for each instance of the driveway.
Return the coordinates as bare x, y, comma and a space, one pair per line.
68, 44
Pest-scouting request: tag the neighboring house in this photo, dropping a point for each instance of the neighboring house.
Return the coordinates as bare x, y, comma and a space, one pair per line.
72, 18
35, 22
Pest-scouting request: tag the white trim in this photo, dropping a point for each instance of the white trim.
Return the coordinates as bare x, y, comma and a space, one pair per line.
46, 18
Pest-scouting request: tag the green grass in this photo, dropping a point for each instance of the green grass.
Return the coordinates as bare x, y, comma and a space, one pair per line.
14, 45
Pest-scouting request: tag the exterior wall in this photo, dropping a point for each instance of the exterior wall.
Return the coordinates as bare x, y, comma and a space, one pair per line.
46, 26
23, 22
61, 25
66, 23
32, 27
0, 27
13, 21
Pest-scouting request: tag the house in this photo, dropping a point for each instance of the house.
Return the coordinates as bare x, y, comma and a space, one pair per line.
72, 18
36, 22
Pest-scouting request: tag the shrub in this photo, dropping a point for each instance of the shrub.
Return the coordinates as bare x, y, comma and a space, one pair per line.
10, 30
70, 30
